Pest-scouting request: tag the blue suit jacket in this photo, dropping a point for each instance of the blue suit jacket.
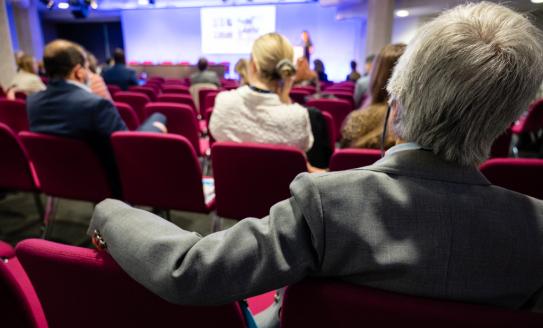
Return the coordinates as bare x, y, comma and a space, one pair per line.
66, 110
119, 75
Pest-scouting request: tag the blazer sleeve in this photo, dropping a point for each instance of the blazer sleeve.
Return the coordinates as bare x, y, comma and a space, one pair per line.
107, 118
252, 257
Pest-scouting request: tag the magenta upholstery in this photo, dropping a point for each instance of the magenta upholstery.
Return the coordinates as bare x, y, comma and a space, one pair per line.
19, 304
83, 288
328, 303
66, 168
113, 89
250, 178
206, 99
338, 108
181, 120
167, 174
330, 126
128, 115
172, 81
343, 95
178, 99
136, 100
175, 89
351, 158
298, 95
148, 91
13, 114
502, 144
17, 172
533, 121
519, 174
309, 88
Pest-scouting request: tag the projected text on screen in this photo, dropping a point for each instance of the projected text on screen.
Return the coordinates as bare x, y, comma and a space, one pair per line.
232, 30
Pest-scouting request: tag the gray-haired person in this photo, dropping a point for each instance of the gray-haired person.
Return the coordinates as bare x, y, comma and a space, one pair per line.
421, 221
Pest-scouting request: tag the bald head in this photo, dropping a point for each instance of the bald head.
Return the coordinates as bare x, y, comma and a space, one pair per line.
61, 57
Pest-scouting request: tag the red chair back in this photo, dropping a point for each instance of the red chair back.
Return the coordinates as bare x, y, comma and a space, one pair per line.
67, 168
19, 304
343, 95
338, 108
298, 96
519, 174
136, 100
148, 91
328, 303
351, 158
18, 174
113, 89
244, 186
533, 121
13, 114
178, 99
158, 79
207, 99
128, 115
330, 126
180, 119
73, 282
167, 174
175, 89
502, 145
309, 88
174, 82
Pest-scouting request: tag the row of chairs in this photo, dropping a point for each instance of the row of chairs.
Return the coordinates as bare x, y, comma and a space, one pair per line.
45, 284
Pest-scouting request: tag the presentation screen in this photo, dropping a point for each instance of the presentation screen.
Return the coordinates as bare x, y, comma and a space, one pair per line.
232, 30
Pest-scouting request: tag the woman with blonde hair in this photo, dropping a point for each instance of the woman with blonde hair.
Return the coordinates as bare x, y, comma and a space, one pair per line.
363, 128
262, 111
26, 80
241, 70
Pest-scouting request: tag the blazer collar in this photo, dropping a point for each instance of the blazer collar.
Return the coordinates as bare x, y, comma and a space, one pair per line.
425, 164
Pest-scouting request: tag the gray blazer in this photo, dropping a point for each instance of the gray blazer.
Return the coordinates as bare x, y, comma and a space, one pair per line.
410, 223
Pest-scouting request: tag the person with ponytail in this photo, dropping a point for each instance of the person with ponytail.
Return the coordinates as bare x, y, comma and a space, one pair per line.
262, 111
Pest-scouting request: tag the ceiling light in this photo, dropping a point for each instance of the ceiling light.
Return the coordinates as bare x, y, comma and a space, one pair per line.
143, 2
405, 13
537, 1
63, 5
94, 5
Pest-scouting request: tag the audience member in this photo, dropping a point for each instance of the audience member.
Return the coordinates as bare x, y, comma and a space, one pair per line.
422, 221
97, 84
204, 75
26, 80
363, 128
68, 108
304, 75
262, 111
362, 84
241, 70
318, 66
119, 74
354, 75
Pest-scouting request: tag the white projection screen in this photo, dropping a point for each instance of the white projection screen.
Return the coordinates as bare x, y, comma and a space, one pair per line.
232, 30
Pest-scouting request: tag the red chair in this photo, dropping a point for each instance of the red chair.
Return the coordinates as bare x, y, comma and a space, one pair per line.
533, 121
178, 99
167, 176
18, 172
338, 108
136, 100
502, 145
158, 79
175, 89
244, 186
174, 81
128, 115
330, 126
328, 303
113, 89
344, 95
19, 303
181, 120
73, 282
66, 168
519, 174
203, 99
298, 96
148, 91
351, 158
309, 88
13, 114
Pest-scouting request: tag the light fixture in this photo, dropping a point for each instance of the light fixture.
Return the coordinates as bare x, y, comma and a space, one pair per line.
63, 5
94, 5
537, 1
402, 13
143, 2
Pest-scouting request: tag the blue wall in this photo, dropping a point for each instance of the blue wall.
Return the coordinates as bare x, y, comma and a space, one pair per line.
174, 35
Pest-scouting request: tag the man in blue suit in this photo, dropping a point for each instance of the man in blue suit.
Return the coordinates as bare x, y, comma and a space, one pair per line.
119, 74
68, 108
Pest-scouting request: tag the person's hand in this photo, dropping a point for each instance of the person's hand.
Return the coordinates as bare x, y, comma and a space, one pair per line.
160, 126
312, 169
10, 95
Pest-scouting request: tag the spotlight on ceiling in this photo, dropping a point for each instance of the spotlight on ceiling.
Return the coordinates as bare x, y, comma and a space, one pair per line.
402, 13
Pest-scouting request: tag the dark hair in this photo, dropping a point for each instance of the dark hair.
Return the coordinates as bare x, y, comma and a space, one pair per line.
370, 58
61, 56
202, 64
382, 70
118, 56
353, 65
318, 65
